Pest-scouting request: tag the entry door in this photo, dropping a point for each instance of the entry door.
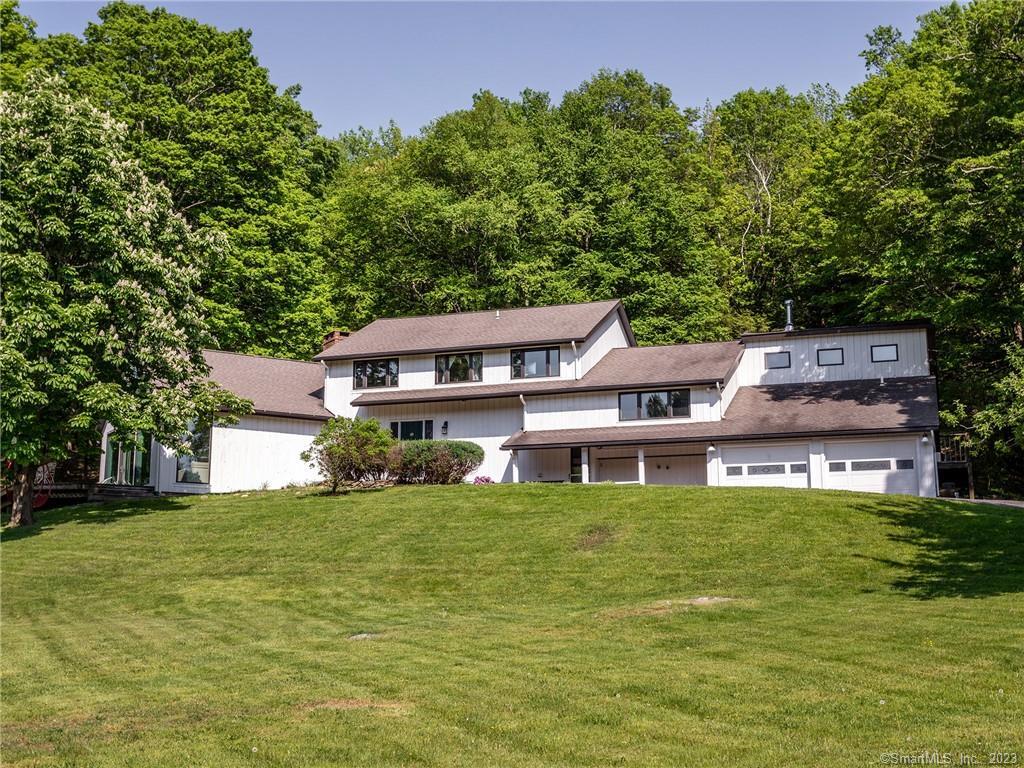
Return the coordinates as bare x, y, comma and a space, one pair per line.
125, 465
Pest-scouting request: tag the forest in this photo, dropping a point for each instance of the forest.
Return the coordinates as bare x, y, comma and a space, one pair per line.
903, 198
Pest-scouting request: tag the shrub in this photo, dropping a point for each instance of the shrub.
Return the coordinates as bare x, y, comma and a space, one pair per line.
438, 462
482, 480
352, 451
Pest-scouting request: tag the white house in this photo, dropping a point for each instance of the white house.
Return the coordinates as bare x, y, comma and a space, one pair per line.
564, 394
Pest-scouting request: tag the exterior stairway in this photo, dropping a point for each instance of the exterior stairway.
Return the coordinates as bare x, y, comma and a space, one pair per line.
112, 492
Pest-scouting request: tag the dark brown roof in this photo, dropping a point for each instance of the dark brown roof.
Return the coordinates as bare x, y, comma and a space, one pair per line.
476, 330
790, 410
290, 388
648, 367
838, 330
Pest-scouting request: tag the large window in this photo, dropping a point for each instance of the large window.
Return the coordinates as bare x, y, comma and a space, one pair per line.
776, 360
885, 353
533, 363
413, 430
195, 468
465, 366
673, 404
832, 356
367, 374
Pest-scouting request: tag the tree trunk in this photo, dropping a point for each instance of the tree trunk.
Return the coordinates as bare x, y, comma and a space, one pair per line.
21, 509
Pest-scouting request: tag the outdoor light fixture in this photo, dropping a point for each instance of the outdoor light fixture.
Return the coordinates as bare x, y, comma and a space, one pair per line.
444, 428
711, 448
924, 438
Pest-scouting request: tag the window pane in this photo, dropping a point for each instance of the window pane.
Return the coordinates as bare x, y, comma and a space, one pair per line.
375, 373
776, 360
884, 353
195, 468
428, 429
830, 356
866, 466
393, 372
680, 403
477, 363
441, 365
733, 471
837, 466
536, 362
553, 362
394, 429
798, 469
517, 364
766, 469
575, 465
655, 405
412, 430
629, 406
904, 463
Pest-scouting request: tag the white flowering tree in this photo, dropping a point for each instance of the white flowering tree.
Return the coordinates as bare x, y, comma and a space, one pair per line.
101, 322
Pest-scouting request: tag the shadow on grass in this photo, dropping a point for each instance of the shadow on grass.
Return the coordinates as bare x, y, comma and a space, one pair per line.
961, 550
87, 514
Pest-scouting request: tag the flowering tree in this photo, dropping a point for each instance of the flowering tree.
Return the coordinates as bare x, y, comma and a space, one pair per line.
100, 319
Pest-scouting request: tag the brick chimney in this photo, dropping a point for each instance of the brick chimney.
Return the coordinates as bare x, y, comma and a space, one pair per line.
332, 338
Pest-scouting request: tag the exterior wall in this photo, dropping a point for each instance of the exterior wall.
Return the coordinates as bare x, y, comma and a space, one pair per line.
601, 409
610, 334
257, 452
546, 466
913, 358
488, 423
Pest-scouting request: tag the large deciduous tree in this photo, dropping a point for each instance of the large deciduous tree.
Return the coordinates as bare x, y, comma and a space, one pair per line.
101, 319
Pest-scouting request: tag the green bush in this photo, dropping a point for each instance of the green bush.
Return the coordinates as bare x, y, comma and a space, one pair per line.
349, 451
437, 462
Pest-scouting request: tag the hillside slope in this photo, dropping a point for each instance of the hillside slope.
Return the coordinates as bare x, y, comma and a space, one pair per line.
513, 625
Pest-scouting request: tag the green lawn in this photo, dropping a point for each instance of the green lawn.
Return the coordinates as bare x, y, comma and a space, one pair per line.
513, 625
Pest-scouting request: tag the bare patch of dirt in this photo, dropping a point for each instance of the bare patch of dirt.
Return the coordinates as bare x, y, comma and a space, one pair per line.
595, 537
365, 636
662, 607
389, 707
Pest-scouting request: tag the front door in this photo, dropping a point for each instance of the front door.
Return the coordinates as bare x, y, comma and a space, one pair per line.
124, 464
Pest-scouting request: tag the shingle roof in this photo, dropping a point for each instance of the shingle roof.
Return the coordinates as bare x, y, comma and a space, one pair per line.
790, 410
648, 367
277, 387
837, 330
475, 330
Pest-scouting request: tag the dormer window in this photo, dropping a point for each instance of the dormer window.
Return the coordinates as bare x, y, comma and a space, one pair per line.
534, 363
458, 368
371, 374
832, 356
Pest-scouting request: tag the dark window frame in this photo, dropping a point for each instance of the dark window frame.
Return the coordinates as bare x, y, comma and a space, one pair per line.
842, 356
426, 425
789, 361
547, 362
798, 468
879, 346
904, 464
734, 470
363, 382
447, 357
837, 466
640, 407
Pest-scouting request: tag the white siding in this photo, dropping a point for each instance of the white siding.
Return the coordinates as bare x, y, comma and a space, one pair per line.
609, 335
601, 409
488, 423
913, 358
548, 465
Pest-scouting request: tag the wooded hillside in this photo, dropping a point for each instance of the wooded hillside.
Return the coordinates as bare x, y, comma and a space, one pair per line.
903, 198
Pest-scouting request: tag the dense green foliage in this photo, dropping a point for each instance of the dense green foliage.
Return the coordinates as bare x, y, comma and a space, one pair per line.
437, 462
352, 451
101, 320
512, 625
903, 198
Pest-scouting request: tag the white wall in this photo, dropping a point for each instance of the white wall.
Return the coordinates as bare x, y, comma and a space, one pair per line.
610, 334
488, 423
913, 358
261, 451
601, 409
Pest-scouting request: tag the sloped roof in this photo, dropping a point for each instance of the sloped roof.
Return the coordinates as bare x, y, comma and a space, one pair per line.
647, 367
488, 329
277, 387
783, 410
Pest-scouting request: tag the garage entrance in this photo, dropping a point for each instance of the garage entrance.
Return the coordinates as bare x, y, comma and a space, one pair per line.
882, 466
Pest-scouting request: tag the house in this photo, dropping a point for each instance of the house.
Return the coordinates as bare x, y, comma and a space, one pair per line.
564, 394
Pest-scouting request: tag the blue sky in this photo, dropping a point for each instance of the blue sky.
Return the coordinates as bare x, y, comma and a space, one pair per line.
365, 64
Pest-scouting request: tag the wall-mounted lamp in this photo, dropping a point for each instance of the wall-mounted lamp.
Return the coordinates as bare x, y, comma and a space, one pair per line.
711, 448
924, 438
444, 428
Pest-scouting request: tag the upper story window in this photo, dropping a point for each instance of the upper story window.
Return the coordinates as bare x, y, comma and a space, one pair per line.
534, 363
832, 356
460, 367
885, 353
367, 374
776, 360
674, 404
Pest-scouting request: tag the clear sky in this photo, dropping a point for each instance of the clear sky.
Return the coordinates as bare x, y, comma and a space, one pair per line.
363, 64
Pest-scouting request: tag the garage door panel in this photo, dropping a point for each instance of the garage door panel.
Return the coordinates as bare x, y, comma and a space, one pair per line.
675, 470
781, 466
883, 466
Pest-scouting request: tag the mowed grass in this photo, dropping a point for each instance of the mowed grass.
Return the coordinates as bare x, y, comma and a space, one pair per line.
513, 625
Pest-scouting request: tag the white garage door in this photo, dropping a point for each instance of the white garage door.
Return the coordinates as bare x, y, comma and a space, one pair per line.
883, 466
676, 470
773, 465
618, 470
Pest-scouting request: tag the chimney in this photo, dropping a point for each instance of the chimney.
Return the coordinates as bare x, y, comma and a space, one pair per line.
332, 338
789, 314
